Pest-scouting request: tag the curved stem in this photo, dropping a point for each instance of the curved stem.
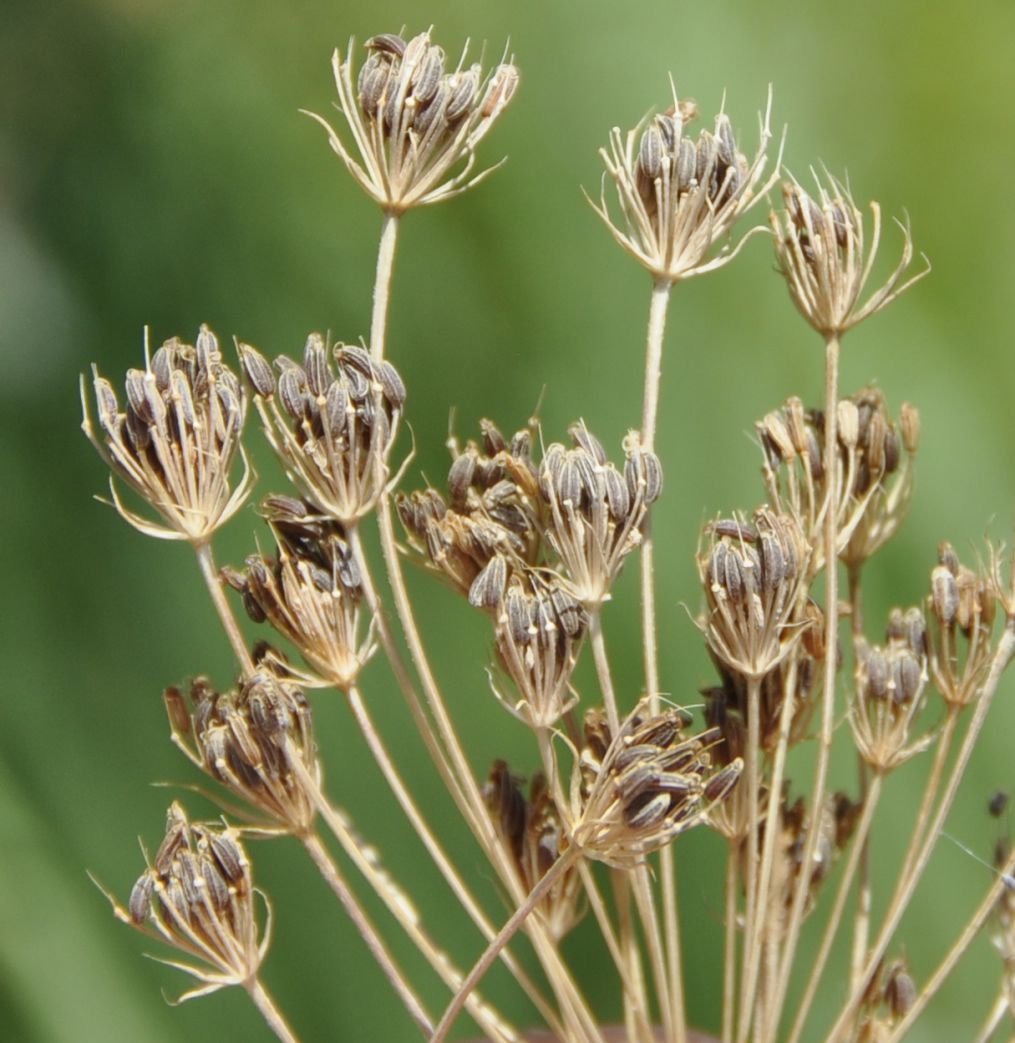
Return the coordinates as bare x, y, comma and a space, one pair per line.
211, 577
382, 285
269, 1011
368, 932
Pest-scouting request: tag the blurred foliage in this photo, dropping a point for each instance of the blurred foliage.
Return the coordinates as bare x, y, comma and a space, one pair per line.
154, 170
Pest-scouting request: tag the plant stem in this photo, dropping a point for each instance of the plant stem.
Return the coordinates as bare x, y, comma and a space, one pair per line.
906, 887
831, 508
368, 932
210, 573
382, 285
729, 965
994, 1018
269, 1011
506, 933
658, 306
962, 943
603, 672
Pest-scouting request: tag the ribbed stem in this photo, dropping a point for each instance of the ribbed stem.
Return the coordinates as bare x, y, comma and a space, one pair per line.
269, 1011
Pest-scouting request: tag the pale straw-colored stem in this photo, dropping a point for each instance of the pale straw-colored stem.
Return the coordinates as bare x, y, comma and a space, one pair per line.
367, 931
644, 901
906, 887
394, 657
507, 932
730, 954
397, 904
820, 785
955, 953
269, 1010
211, 577
835, 916
636, 1009
574, 1009
658, 306
993, 1019
754, 915
603, 672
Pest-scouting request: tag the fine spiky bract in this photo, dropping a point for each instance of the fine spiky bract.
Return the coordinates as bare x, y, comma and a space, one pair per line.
533, 533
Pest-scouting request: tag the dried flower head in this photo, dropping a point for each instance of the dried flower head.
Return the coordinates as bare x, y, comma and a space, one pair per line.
962, 606
637, 790
532, 831
310, 590
492, 512
593, 513
889, 693
753, 575
678, 197
412, 123
538, 630
197, 895
823, 255
175, 441
333, 429
874, 473
257, 741
888, 998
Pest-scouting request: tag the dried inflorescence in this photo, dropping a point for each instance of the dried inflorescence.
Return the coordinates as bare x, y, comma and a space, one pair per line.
886, 1001
175, 442
874, 473
636, 790
753, 574
826, 260
197, 895
889, 695
531, 829
332, 428
412, 122
310, 590
258, 741
962, 607
677, 196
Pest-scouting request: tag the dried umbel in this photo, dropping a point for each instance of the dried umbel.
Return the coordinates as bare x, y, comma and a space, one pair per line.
531, 828
962, 607
332, 428
176, 439
492, 511
257, 741
197, 895
823, 254
679, 196
753, 574
637, 790
538, 629
889, 694
414, 124
874, 474
593, 512
310, 590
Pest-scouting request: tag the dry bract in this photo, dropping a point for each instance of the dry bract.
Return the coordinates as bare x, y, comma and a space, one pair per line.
414, 127
174, 442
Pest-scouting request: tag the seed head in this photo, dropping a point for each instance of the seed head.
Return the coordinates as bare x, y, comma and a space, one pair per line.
414, 126
678, 197
531, 829
257, 741
823, 255
333, 429
310, 590
593, 513
197, 895
637, 790
175, 441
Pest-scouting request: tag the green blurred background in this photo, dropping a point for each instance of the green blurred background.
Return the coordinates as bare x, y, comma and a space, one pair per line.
154, 170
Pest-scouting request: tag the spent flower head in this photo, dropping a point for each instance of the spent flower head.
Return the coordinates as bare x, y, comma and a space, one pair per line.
826, 260
414, 124
175, 440
197, 895
679, 196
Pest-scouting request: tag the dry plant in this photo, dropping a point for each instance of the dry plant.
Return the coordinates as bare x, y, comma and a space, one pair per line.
534, 536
